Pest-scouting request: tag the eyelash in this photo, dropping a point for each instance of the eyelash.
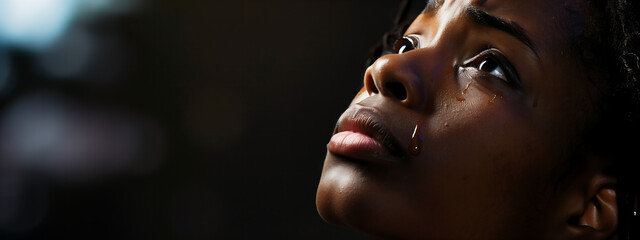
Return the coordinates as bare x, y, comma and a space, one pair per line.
484, 59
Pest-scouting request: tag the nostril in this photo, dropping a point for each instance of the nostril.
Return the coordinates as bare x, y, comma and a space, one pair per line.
397, 90
370, 85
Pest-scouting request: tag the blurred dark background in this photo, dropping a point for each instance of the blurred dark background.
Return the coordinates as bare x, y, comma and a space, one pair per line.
188, 119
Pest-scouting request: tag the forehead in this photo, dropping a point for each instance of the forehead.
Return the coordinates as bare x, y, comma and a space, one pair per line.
550, 20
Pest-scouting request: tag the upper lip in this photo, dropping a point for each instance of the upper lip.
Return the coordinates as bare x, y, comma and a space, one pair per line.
368, 121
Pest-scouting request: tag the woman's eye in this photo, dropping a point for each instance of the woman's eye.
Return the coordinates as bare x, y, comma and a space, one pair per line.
405, 44
492, 67
493, 63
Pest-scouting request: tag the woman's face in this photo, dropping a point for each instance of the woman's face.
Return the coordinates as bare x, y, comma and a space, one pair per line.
465, 136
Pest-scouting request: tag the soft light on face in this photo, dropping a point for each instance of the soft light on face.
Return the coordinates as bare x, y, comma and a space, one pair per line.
461, 137
443, 19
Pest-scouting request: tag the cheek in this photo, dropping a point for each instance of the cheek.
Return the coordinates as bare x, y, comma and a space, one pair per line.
485, 163
485, 136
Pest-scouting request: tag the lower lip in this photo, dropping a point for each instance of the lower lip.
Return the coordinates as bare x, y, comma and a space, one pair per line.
359, 146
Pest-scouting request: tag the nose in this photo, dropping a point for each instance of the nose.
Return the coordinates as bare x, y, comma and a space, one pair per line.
397, 77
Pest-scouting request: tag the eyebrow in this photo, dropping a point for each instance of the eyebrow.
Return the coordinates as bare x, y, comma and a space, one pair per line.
512, 28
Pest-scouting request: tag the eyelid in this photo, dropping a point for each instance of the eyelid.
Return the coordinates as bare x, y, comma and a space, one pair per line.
510, 71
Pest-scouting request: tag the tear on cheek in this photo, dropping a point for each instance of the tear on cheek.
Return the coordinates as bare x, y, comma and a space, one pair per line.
496, 97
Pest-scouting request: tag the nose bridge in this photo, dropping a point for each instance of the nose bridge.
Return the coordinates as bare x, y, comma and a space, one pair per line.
410, 77
443, 28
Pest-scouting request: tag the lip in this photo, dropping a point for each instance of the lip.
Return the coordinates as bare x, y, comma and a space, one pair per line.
361, 134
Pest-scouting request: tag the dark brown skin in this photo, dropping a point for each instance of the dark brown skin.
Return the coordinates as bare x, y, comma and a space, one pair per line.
493, 161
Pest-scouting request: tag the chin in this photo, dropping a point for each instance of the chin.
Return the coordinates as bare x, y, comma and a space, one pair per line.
339, 199
349, 197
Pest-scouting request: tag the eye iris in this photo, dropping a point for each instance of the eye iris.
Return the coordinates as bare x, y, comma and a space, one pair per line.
403, 45
492, 64
492, 67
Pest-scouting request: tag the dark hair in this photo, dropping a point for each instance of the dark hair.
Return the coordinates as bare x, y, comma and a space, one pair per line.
610, 44
621, 37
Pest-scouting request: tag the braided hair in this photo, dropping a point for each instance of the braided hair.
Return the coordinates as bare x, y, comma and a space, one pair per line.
610, 43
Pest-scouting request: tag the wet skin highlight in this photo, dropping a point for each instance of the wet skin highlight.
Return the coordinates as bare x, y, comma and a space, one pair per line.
477, 121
